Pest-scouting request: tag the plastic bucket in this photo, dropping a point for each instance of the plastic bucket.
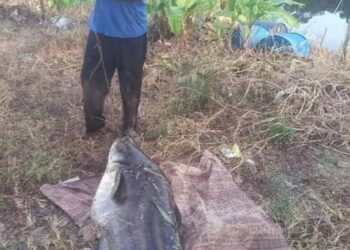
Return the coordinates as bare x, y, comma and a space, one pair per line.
274, 28
257, 34
291, 43
260, 30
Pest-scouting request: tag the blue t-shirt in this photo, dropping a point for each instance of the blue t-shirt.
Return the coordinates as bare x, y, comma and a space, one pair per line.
119, 18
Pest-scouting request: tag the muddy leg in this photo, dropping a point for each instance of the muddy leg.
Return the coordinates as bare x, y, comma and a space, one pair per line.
97, 72
132, 53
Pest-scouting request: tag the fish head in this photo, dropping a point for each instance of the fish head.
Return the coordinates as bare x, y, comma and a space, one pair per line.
125, 153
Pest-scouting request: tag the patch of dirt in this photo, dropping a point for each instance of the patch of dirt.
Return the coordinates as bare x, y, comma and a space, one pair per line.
296, 161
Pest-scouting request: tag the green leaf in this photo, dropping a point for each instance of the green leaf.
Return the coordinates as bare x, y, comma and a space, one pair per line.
175, 17
231, 4
186, 4
287, 2
286, 16
242, 18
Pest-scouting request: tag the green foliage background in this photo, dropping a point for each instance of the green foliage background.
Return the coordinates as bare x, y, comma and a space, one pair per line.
181, 15
59, 4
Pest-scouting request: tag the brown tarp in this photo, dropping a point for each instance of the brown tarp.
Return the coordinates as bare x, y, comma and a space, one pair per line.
215, 213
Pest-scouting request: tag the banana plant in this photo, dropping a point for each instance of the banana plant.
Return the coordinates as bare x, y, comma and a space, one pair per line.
157, 7
179, 12
213, 8
60, 4
158, 27
249, 11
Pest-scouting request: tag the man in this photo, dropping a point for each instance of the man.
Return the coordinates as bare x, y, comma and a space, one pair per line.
116, 41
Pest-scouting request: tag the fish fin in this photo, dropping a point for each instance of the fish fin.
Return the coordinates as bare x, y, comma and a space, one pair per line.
179, 228
177, 216
120, 193
165, 214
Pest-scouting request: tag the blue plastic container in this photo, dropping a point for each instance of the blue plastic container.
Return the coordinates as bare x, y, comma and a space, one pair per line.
275, 28
291, 43
237, 39
260, 30
257, 34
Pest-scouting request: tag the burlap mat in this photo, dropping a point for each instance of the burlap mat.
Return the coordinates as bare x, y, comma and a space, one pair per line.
216, 214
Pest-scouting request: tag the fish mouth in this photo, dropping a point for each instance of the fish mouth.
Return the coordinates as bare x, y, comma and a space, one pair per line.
122, 146
124, 149
125, 139
121, 163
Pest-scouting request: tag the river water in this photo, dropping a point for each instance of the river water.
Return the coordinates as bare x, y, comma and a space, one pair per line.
324, 21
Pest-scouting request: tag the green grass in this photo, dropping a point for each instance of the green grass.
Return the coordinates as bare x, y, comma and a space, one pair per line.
195, 94
282, 205
329, 160
43, 166
280, 132
3, 202
11, 145
183, 67
61, 4
160, 131
10, 247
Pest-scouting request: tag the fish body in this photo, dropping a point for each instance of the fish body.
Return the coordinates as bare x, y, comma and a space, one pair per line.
133, 208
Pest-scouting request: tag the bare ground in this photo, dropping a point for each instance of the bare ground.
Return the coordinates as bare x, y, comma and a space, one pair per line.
290, 118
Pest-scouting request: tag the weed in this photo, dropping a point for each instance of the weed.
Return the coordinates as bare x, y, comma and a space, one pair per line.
11, 145
196, 93
183, 67
282, 204
3, 202
10, 247
43, 166
177, 106
280, 132
330, 161
60, 4
281, 207
160, 131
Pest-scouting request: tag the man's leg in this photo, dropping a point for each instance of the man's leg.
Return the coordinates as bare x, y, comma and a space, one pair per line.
131, 58
98, 69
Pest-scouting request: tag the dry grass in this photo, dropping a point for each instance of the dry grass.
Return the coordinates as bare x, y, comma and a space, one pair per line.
290, 117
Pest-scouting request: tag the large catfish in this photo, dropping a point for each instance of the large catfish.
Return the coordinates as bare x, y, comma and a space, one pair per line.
133, 208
